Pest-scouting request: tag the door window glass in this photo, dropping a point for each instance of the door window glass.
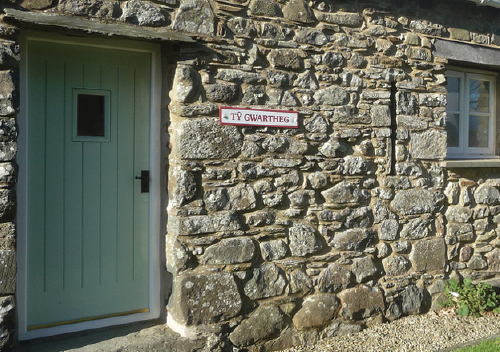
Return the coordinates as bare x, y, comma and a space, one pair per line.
90, 115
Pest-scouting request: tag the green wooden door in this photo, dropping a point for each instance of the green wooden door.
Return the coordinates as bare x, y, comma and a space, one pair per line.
87, 221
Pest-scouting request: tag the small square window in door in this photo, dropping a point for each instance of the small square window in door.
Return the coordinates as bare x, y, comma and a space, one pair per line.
91, 115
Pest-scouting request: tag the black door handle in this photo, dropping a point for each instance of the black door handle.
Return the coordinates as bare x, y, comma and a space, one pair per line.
144, 181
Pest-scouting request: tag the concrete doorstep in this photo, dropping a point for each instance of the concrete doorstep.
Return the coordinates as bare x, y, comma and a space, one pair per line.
132, 338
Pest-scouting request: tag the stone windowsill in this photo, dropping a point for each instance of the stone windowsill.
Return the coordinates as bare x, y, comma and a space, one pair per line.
465, 163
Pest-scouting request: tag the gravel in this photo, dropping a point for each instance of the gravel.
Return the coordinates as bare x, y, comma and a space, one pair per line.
429, 332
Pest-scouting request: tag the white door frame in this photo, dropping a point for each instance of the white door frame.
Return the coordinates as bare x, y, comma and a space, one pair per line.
155, 181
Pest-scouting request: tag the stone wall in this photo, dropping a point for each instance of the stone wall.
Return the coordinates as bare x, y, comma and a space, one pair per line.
9, 106
278, 237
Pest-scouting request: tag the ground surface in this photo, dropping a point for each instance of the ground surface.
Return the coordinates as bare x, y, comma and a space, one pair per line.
429, 332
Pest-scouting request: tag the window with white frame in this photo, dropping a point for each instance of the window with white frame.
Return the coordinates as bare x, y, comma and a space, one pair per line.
470, 114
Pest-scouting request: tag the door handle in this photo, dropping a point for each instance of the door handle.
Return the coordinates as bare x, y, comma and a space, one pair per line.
144, 181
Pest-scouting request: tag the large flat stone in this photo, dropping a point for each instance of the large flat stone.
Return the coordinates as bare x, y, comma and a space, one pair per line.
205, 138
361, 302
317, 310
263, 323
429, 255
204, 298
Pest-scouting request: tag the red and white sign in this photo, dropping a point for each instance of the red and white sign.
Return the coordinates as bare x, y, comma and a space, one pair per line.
258, 117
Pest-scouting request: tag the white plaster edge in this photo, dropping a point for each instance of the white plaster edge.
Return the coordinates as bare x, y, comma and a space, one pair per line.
181, 329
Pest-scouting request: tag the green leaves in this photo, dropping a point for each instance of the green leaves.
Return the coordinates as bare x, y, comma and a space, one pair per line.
471, 299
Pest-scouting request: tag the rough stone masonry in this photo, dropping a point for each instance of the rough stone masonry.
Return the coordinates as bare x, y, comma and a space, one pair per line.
280, 237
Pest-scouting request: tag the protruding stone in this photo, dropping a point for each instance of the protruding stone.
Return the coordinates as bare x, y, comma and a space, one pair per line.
360, 217
269, 8
416, 201
364, 268
300, 282
143, 13
344, 193
254, 95
318, 180
229, 251
302, 198
9, 96
430, 144
307, 80
317, 310
8, 235
7, 205
493, 259
401, 247
273, 250
186, 82
198, 224
194, 110
415, 229
280, 78
221, 93
333, 148
267, 281
241, 26
205, 138
355, 165
485, 194
333, 95
237, 76
334, 278
177, 256
195, 16
287, 59
333, 59
381, 115
458, 214
204, 298
183, 185
341, 18
352, 240
406, 103
383, 250
466, 253
429, 255
410, 301
299, 11
9, 54
477, 262
396, 265
8, 270
388, 230
361, 302
88, 8
452, 192
303, 240
263, 323
311, 36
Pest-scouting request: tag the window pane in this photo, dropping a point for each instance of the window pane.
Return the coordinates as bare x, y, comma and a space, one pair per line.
90, 115
453, 88
452, 129
478, 131
479, 96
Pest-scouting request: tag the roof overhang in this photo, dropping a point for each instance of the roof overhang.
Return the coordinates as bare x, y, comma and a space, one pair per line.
492, 3
108, 29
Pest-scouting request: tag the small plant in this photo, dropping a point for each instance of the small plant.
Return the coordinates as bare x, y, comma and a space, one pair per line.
471, 299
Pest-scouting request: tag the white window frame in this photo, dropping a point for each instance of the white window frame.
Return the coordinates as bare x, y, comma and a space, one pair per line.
463, 151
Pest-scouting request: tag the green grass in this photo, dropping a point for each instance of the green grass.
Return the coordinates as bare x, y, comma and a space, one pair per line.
485, 346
